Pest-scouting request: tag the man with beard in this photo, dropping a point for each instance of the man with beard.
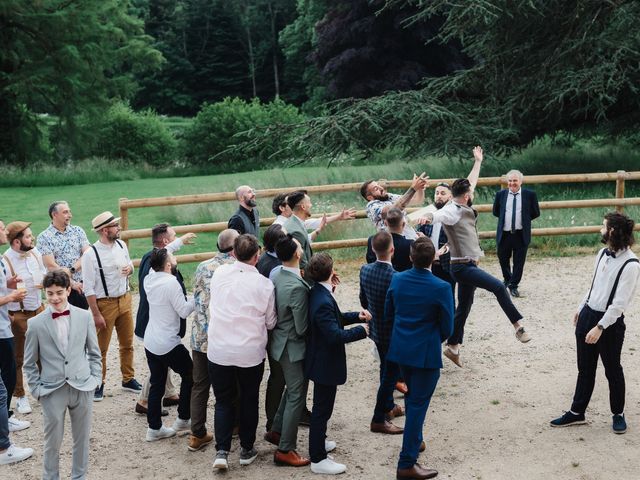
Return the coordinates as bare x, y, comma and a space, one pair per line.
25, 262
61, 246
378, 198
459, 221
106, 269
599, 321
246, 219
440, 265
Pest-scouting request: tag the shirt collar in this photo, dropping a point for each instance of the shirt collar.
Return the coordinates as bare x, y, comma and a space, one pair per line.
295, 271
244, 267
516, 193
384, 261
328, 286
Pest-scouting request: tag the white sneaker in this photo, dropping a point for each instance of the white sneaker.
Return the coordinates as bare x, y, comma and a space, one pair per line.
15, 454
159, 434
221, 461
16, 425
329, 446
22, 405
328, 467
181, 426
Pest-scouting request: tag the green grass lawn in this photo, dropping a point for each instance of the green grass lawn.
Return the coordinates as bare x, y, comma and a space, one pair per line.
86, 201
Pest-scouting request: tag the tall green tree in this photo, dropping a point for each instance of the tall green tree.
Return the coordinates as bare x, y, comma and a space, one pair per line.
64, 57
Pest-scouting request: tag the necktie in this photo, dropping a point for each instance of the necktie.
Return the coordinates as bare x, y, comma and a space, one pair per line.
55, 315
513, 214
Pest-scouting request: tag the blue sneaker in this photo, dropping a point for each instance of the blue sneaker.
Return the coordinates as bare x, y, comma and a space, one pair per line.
132, 386
98, 395
619, 423
568, 419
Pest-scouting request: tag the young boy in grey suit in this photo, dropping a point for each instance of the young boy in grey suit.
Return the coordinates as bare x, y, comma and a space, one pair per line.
63, 339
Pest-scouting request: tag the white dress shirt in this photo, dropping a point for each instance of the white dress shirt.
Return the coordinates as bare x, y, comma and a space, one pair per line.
29, 267
167, 306
449, 215
509, 211
61, 324
435, 234
113, 258
605, 276
241, 310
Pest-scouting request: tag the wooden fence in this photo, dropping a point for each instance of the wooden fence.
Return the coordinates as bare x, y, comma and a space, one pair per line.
619, 202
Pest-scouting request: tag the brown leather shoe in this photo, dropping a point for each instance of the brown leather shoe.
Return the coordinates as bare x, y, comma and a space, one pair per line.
402, 387
454, 357
272, 437
415, 472
290, 458
396, 411
423, 447
196, 443
170, 401
142, 410
386, 427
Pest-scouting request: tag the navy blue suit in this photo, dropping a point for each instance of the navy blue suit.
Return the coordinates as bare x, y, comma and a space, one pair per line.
326, 361
515, 242
375, 279
420, 305
401, 249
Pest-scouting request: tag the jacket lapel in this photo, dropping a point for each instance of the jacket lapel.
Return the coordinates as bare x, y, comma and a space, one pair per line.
51, 328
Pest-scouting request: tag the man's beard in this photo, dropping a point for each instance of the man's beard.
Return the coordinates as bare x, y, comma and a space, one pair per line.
174, 270
439, 204
251, 202
383, 197
112, 237
25, 248
605, 238
469, 203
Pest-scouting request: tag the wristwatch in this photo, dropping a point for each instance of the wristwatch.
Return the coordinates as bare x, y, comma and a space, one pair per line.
600, 327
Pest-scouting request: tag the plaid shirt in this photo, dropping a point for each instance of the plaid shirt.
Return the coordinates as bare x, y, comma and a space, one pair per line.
66, 247
375, 279
202, 296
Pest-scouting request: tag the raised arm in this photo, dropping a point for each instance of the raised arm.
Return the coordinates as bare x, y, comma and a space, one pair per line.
418, 184
474, 174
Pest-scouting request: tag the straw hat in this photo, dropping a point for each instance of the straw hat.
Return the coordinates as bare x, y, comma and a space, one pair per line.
103, 220
14, 229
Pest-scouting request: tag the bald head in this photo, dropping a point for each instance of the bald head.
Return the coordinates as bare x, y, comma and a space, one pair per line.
246, 196
226, 239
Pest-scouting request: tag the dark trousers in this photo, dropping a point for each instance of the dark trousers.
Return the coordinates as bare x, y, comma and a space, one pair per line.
227, 381
469, 277
421, 383
608, 348
324, 397
4, 417
445, 275
199, 394
512, 244
389, 374
78, 300
275, 389
180, 362
8, 368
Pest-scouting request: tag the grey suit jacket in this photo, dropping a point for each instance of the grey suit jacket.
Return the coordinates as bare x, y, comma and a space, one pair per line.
296, 228
80, 367
292, 303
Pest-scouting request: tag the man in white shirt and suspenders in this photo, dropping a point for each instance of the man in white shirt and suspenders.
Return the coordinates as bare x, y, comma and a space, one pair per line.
599, 321
106, 268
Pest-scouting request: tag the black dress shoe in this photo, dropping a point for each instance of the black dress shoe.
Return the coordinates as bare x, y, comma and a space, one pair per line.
514, 291
170, 402
416, 472
142, 410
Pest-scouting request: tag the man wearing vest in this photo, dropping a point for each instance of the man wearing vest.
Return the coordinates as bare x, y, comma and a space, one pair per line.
246, 219
599, 321
25, 262
106, 268
515, 207
459, 221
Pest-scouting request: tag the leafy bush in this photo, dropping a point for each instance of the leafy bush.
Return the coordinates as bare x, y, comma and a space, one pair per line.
219, 127
135, 137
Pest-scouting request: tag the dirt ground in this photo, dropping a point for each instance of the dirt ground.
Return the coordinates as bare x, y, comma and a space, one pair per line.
489, 420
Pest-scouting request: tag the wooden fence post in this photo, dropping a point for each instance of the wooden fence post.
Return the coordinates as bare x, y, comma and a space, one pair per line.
620, 188
124, 218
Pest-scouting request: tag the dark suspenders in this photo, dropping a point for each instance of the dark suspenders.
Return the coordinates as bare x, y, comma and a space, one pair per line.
615, 283
104, 281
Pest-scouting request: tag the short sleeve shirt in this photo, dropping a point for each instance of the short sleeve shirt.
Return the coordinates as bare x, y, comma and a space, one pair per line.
66, 247
202, 296
374, 212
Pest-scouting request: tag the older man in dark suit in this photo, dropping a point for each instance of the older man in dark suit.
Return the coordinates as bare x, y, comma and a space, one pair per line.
515, 207
326, 359
420, 306
374, 283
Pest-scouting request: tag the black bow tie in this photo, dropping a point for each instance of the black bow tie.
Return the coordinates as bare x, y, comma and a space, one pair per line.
609, 253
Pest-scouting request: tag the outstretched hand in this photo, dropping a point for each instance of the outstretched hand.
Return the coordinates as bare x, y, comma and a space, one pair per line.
347, 214
478, 155
187, 238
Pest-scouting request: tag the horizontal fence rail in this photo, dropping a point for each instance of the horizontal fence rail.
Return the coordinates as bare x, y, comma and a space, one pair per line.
619, 202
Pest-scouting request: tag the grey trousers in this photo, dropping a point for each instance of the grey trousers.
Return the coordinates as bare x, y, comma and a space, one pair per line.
54, 408
292, 404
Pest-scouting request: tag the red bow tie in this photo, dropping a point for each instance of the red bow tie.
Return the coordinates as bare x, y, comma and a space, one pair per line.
61, 314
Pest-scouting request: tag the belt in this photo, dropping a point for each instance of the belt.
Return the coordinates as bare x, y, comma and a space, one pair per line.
13, 312
436, 262
463, 262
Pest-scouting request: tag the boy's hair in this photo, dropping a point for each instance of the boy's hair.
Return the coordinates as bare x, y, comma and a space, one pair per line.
158, 259
320, 267
58, 278
422, 252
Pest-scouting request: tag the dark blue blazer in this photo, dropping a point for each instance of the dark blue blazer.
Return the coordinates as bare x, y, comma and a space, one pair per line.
374, 283
326, 359
530, 211
401, 250
420, 305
